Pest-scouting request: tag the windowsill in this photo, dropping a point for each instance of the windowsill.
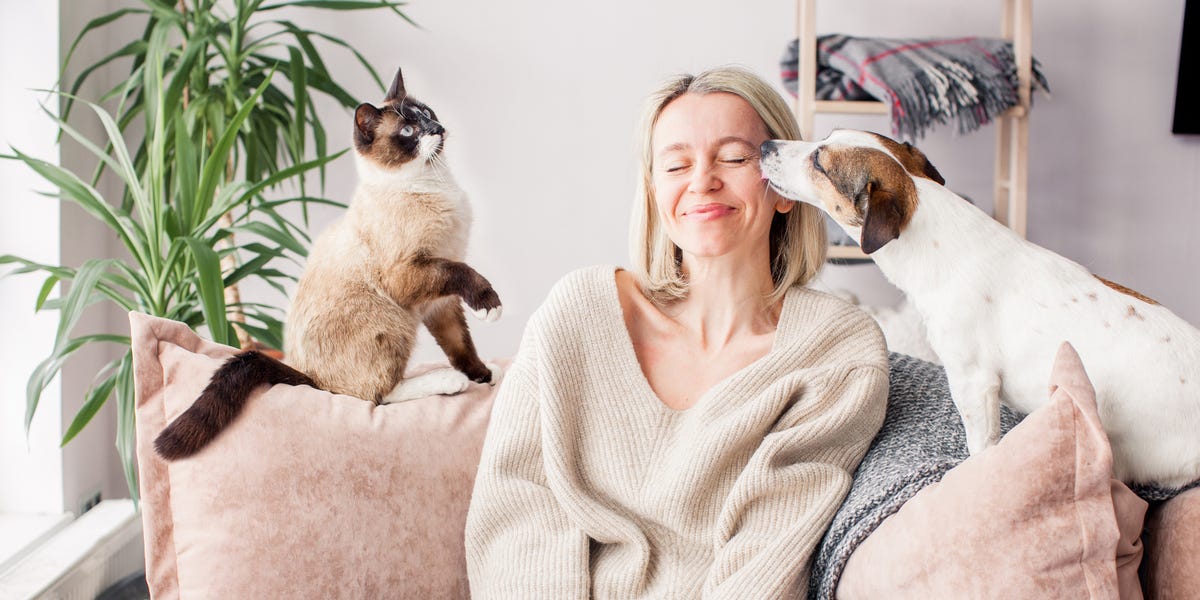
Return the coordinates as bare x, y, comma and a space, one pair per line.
21, 532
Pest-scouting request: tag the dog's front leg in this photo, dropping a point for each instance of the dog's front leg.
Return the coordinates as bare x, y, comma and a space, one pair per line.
976, 394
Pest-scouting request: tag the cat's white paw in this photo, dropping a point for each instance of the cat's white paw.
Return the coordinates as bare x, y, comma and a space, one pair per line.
496, 373
490, 315
445, 382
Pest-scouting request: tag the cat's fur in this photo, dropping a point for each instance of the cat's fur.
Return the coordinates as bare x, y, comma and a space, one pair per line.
391, 263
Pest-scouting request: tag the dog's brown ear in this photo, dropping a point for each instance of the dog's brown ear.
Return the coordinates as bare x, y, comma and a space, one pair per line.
876, 187
889, 202
886, 215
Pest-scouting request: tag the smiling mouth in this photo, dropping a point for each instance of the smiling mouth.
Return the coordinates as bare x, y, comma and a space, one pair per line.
709, 210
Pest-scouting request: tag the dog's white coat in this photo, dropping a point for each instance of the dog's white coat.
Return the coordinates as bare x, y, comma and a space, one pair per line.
997, 307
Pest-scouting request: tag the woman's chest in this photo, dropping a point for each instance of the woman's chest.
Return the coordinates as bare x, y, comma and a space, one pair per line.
680, 373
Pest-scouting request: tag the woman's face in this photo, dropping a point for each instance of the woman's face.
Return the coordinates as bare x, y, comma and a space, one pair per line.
709, 192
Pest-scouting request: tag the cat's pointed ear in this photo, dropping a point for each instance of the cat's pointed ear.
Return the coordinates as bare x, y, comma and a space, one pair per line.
396, 92
366, 117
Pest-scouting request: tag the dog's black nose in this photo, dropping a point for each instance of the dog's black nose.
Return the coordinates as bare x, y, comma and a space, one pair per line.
768, 148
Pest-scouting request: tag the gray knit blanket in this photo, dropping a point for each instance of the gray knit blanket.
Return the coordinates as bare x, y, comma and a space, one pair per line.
965, 81
922, 437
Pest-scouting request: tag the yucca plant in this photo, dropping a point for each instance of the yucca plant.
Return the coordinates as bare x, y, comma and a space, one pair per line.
227, 114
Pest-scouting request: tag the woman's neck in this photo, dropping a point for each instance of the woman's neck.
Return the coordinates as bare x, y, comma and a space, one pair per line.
726, 301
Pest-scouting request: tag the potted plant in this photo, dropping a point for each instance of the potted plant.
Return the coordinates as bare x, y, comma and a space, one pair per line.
225, 100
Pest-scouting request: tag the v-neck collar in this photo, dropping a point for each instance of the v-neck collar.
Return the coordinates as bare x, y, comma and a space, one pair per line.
628, 355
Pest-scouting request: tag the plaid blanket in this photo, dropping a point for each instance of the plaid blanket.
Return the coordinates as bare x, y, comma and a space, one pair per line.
966, 81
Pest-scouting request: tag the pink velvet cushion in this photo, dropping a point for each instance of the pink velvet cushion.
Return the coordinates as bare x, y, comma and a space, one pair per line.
1172, 568
307, 494
1036, 516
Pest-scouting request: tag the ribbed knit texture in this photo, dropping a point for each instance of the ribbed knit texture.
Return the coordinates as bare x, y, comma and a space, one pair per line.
589, 486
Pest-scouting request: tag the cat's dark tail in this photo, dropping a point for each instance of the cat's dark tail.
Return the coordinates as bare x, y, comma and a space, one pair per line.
222, 400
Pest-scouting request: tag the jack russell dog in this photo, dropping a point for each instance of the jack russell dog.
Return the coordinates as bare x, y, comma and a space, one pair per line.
997, 307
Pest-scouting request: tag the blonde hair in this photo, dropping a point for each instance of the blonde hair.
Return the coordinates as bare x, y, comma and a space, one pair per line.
797, 237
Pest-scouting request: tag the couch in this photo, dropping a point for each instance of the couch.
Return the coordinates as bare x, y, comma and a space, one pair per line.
314, 495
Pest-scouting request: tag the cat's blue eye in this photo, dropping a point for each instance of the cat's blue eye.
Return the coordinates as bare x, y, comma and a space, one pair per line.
407, 130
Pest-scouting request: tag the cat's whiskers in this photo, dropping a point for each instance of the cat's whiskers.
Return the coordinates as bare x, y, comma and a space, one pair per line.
439, 167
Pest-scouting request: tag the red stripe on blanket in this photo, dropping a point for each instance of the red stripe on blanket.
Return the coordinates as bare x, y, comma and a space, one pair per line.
925, 44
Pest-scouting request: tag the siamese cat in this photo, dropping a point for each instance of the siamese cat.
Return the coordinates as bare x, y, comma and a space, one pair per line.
391, 263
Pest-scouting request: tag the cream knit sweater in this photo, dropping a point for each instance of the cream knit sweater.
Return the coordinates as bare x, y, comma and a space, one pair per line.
589, 486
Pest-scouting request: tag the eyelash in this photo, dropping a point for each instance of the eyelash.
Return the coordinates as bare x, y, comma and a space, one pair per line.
741, 160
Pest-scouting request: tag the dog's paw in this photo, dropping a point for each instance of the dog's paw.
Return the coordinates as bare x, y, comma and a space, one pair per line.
446, 382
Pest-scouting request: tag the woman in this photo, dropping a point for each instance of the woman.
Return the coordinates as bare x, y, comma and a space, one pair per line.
689, 427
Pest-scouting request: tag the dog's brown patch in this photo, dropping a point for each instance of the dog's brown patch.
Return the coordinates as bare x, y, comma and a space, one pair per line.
1124, 290
874, 187
914, 161
1133, 313
1093, 297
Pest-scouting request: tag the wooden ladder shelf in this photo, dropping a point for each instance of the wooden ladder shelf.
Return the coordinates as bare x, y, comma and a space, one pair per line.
1011, 184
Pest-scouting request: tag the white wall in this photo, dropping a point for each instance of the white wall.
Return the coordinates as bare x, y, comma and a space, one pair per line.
35, 474
540, 98
28, 227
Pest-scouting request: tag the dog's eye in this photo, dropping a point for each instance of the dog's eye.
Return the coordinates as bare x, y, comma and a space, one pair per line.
407, 130
816, 161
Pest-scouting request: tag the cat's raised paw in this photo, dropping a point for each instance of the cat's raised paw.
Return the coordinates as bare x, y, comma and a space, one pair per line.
491, 315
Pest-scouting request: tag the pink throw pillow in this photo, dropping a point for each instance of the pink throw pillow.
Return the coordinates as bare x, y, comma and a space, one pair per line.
307, 494
1172, 568
1036, 516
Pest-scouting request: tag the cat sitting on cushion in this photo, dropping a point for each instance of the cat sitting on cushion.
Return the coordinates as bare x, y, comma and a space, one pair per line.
392, 262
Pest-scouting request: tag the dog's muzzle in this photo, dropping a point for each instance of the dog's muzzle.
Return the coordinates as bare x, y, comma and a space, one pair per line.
768, 148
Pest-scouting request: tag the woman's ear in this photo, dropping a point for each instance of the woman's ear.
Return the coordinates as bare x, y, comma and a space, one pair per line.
782, 205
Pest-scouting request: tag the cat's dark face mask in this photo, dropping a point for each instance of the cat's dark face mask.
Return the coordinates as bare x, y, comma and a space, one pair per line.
402, 130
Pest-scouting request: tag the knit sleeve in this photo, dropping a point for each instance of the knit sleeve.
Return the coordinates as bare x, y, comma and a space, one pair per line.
786, 496
520, 543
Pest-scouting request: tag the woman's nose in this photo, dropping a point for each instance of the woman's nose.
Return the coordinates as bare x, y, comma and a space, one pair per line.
703, 179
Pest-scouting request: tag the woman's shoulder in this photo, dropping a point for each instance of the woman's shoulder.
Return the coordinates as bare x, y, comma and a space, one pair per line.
827, 304
584, 286
582, 296
834, 326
